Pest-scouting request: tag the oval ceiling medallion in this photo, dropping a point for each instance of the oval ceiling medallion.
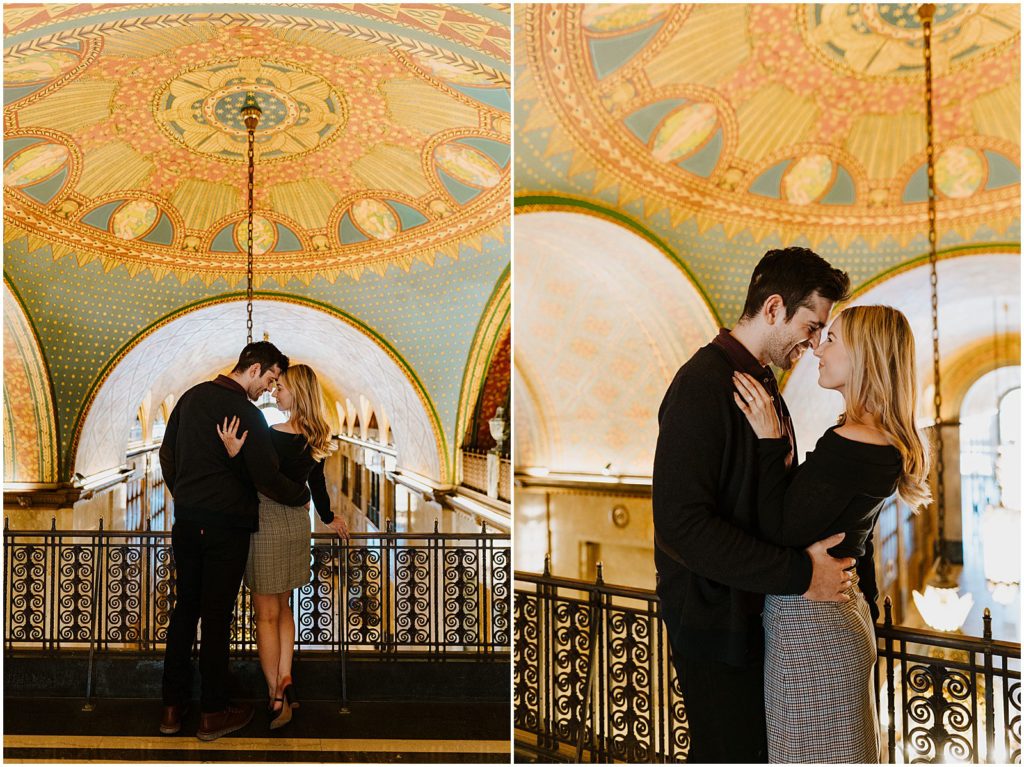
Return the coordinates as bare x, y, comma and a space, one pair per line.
264, 235
467, 165
375, 219
134, 219
684, 131
34, 164
959, 172
200, 108
40, 67
807, 179
620, 17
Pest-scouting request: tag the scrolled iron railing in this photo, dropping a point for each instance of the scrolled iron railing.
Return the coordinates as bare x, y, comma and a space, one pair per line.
439, 594
594, 682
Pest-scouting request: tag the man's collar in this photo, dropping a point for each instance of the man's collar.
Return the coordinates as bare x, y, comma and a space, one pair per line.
231, 384
739, 355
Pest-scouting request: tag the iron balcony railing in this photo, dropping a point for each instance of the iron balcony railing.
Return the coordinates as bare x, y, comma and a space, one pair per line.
594, 682
439, 594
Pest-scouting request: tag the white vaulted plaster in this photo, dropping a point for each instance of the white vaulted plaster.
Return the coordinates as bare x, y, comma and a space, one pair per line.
195, 346
603, 320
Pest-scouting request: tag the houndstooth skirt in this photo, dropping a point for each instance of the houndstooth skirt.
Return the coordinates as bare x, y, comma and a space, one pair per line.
819, 680
279, 550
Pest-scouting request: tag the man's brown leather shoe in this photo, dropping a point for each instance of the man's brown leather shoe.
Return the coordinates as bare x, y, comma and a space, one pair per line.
235, 717
170, 722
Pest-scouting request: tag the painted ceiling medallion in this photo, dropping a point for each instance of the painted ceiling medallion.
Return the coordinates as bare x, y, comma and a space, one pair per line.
732, 120
39, 67
683, 132
200, 108
959, 172
375, 219
134, 219
155, 106
264, 235
807, 179
467, 165
885, 39
34, 164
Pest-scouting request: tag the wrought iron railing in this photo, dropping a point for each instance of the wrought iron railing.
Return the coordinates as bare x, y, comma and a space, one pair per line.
594, 682
383, 593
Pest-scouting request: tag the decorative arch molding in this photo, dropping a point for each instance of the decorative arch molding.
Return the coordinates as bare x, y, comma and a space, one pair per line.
494, 325
968, 364
541, 202
348, 354
30, 423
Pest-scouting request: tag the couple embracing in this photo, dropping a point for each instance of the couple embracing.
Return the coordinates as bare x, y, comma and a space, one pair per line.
241, 508
765, 567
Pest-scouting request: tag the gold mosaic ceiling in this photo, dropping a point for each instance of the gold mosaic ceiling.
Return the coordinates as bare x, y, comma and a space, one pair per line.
784, 120
384, 137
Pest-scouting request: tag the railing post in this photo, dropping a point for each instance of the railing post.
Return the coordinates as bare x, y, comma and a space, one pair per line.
94, 628
990, 695
343, 623
890, 683
588, 689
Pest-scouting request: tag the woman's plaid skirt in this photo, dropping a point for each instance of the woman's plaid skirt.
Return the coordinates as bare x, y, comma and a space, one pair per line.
279, 551
819, 680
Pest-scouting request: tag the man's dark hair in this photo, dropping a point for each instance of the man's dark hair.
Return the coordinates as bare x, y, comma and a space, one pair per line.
262, 352
795, 274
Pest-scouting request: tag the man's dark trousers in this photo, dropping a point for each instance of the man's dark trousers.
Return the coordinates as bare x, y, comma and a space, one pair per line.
724, 710
209, 563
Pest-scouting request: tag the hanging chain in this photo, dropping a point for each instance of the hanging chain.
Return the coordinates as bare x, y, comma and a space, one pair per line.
248, 241
251, 114
926, 12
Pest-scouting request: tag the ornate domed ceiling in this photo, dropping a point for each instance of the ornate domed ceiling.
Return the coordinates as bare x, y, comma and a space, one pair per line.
381, 188
123, 139
729, 129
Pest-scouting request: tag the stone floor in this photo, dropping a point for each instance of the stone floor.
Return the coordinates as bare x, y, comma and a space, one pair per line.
56, 730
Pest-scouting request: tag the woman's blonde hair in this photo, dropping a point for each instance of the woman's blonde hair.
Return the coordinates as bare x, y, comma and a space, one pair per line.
883, 382
308, 409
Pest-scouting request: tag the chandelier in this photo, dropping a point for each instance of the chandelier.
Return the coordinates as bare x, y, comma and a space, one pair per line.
941, 605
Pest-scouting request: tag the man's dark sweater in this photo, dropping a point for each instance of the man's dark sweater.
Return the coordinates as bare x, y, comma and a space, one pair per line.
207, 485
713, 567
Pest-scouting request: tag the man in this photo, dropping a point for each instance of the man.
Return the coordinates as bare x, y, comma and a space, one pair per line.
215, 511
713, 570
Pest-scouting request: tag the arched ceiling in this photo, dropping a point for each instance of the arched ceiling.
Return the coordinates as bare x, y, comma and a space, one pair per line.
729, 129
384, 137
383, 164
979, 302
597, 338
187, 349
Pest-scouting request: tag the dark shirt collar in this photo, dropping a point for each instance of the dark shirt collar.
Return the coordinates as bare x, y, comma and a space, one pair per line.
230, 384
740, 356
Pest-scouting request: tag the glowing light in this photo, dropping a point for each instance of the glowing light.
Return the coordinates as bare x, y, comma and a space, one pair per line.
943, 609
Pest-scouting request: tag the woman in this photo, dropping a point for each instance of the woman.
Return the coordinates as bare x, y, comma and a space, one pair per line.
279, 550
820, 656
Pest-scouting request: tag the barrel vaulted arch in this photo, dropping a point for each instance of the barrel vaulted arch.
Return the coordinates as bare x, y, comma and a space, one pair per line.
187, 346
604, 318
30, 426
